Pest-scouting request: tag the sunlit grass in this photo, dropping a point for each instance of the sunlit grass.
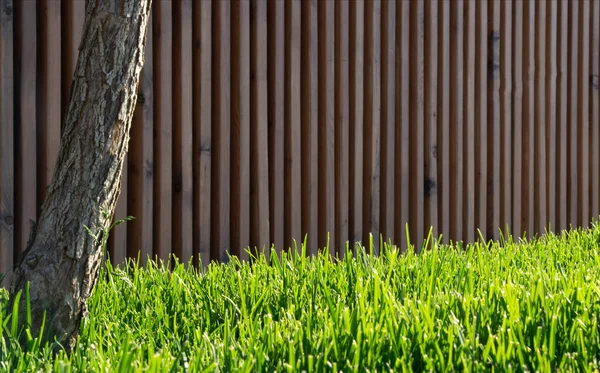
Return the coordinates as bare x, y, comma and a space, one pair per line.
508, 306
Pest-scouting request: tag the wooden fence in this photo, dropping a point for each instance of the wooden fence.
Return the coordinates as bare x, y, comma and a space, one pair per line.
262, 121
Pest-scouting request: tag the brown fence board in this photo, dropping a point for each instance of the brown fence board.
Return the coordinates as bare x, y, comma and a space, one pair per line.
163, 140
49, 67
551, 110
183, 206
71, 29
342, 97
517, 155
506, 91
292, 148
141, 162
443, 115
416, 86
388, 118
494, 140
583, 161
221, 131
7, 141
326, 132
540, 125
403, 176
528, 138
430, 117
26, 159
310, 122
276, 50
356, 67
456, 119
562, 115
240, 129
474, 107
572, 184
259, 179
117, 243
594, 110
202, 128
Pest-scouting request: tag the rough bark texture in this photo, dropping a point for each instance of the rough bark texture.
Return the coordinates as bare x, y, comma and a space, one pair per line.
62, 260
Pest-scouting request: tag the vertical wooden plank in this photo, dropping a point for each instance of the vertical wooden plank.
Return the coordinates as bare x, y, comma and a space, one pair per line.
550, 112
141, 161
341, 124
388, 118
49, 119
117, 243
517, 129
26, 154
572, 190
493, 121
163, 139
583, 161
417, 63
326, 126
371, 187
356, 67
540, 208
310, 117
474, 106
430, 118
72, 28
293, 155
259, 179
276, 49
456, 119
595, 110
529, 117
7, 212
240, 129
561, 116
507, 141
221, 130
403, 176
183, 203
202, 127
443, 129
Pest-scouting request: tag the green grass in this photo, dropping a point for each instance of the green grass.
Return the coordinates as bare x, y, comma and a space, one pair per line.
526, 306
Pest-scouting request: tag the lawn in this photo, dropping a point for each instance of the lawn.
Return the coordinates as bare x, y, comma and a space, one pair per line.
510, 305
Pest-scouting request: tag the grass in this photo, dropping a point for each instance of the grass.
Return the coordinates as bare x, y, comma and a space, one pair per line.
504, 306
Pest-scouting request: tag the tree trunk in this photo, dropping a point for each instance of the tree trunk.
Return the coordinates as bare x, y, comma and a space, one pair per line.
62, 260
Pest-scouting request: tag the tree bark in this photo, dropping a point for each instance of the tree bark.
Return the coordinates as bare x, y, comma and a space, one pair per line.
62, 261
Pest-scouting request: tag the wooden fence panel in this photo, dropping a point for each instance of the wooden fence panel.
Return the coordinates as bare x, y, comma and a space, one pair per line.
474, 106
276, 64
594, 110
443, 114
551, 110
240, 129
259, 178
263, 122
292, 149
562, 115
356, 67
430, 117
7, 141
310, 123
25, 118
583, 161
326, 133
202, 76
342, 110
417, 103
